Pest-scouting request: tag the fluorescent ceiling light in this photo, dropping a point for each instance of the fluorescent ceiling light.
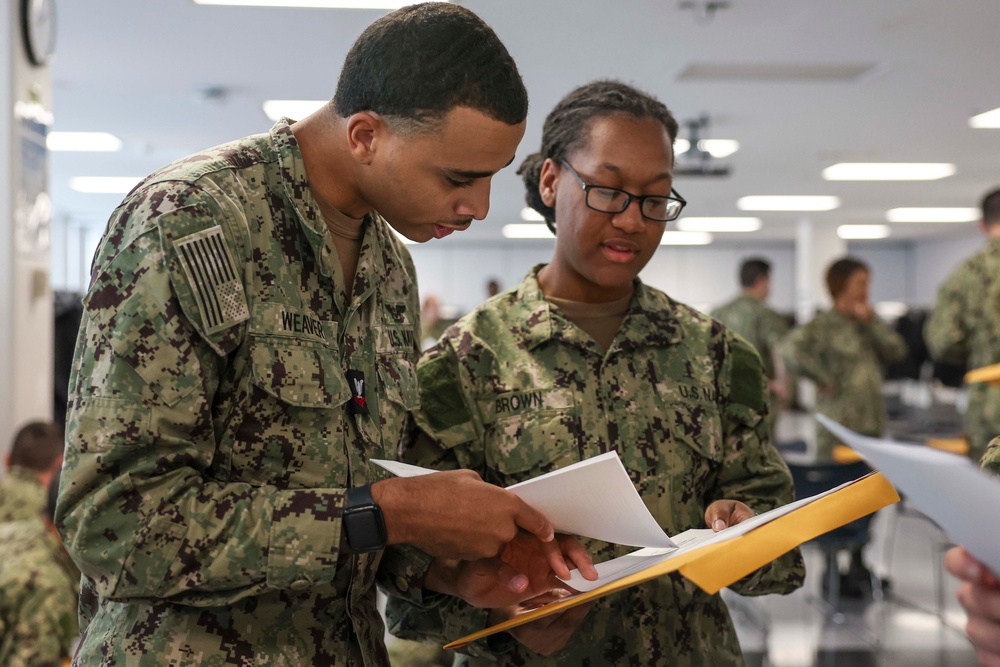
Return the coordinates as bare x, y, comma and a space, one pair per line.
990, 119
863, 231
519, 231
715, 147
888, 171
685, 238
787, 203
697, 224
320, 4
295, 109
83, 141
108, 185
932, 214
719, 147
529, 214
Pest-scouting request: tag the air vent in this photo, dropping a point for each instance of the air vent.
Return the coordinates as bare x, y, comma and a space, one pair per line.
776, 72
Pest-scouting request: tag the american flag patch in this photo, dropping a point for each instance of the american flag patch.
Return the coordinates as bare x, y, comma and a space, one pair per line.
213, 279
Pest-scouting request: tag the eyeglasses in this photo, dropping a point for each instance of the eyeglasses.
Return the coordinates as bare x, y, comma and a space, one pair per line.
613, 200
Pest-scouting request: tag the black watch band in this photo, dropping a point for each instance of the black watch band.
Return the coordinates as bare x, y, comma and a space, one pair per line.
363, 522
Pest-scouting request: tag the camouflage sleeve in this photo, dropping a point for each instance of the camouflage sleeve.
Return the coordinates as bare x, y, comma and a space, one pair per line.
991, 459
450, 438
773, 328
799, 351
889, 346
752, 471
139, 510
43, 631
945, 332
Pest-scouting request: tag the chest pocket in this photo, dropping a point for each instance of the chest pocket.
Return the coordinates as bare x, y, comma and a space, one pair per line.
292, 421
530, 432
693, 460
398, 396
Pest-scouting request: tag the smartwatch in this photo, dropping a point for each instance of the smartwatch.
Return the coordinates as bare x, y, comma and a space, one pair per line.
363, 521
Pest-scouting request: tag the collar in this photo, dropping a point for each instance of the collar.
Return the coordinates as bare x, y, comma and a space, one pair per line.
651, 320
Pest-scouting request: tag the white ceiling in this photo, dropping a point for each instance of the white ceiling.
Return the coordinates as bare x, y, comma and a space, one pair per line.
136, 68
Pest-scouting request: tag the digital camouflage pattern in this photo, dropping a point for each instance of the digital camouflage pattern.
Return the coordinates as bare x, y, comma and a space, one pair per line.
22, 496
761, 326
847, 357
991, 460
515, 390
964, 328
39, 586
209, 444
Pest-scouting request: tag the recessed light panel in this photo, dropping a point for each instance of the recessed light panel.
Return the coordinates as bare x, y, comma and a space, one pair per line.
990, 119
888, 171
295, 109
685, 238
95, 142
526, 231
734, 224
787, 203
863, 231
933, 214
318, 4
108, 185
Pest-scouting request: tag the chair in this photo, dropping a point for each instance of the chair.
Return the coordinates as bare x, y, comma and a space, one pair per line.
812, 478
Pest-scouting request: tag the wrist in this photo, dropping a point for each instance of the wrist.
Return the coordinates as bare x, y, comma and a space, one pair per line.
363, 522
385, 493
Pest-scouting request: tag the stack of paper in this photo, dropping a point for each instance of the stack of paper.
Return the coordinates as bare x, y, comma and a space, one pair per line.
595, 498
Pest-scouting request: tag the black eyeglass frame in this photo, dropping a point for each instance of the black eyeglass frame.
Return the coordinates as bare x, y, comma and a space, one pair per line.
628, 197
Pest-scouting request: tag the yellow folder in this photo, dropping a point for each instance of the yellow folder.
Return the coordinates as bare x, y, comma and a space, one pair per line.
989, 374
718, 565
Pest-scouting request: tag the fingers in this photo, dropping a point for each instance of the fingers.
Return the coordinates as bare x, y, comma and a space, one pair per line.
578, 555
506, 576
724, 513
554, 556
963, 565
534, 522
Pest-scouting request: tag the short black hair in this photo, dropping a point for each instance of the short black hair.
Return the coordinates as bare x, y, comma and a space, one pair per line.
567, 128
418, 63
754, 269
37, 446
840, 272
991, 208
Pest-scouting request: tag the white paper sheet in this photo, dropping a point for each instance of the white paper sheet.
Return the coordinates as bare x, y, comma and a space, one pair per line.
689, 540
594, 498
948, 488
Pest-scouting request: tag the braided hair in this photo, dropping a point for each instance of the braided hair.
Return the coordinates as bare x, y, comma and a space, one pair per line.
567, 128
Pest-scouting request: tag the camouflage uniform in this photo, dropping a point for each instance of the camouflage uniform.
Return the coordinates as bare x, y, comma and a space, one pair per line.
209, 438
835, 351
761, 326
22, 496
991, 460
39, 586
514, 390
965, 328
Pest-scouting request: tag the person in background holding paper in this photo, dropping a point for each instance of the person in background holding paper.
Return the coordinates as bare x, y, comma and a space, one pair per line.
964, 326
844, 351
582, 358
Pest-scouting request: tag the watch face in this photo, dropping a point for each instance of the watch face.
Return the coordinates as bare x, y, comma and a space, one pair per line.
38, 22
365, 528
